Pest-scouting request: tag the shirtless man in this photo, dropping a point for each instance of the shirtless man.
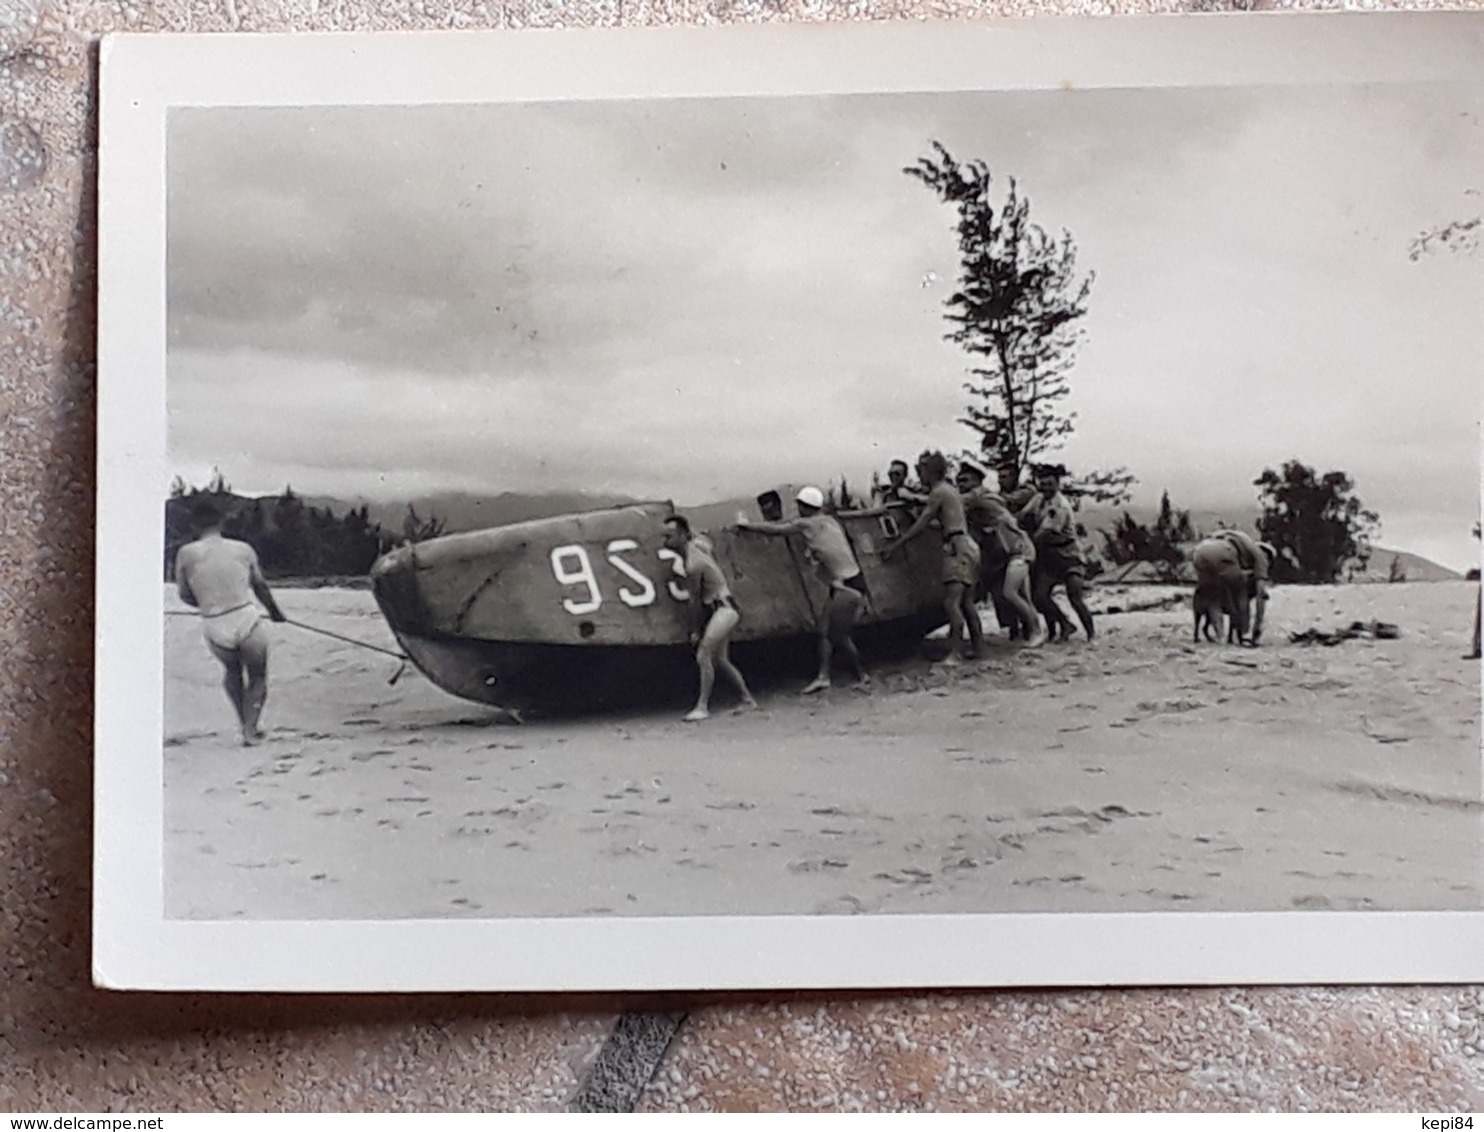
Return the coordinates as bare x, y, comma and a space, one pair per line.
1058, 556
220, 577
960, 553
716, 614
825, 538
1236, 566
1000, 535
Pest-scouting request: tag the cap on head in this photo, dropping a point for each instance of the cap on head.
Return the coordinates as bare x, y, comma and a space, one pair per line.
811, 496
969, 468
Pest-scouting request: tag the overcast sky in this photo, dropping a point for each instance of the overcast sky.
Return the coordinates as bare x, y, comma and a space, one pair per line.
698, 299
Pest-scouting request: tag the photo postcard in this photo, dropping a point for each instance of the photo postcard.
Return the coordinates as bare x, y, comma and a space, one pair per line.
981, 503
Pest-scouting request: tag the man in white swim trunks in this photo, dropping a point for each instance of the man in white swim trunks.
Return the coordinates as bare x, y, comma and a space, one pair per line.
827, 542
221, 577
717, 614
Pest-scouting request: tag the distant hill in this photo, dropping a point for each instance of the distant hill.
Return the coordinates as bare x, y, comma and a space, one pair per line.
465, 512
1412, 567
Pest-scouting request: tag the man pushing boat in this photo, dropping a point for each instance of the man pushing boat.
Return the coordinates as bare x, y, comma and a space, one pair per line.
827, 542
960, 554
718, 614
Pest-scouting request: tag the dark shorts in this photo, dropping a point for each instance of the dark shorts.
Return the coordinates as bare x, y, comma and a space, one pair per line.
727, 602
1058, 562
856, 582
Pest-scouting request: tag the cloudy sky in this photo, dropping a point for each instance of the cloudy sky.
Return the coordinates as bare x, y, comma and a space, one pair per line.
694, 299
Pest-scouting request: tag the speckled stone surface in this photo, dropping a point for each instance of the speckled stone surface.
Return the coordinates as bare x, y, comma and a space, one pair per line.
67, 1047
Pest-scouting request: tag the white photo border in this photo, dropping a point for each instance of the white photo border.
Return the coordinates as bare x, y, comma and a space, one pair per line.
145, 76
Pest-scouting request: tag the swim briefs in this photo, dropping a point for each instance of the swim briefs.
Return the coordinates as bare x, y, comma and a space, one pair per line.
229, 629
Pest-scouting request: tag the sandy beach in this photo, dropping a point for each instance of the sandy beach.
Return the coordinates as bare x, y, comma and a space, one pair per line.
1136, 773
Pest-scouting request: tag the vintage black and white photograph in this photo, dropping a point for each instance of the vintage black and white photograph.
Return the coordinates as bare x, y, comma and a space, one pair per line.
842, 503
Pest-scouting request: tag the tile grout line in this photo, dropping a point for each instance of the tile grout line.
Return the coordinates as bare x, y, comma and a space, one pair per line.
628, 1060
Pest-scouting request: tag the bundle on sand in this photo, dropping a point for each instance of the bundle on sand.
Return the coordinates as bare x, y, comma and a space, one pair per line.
1168, 602
1356, 630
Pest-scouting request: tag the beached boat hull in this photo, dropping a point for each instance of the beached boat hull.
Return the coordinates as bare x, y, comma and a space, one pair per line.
590, 611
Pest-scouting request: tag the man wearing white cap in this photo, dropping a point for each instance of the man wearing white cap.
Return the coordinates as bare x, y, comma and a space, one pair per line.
825, 538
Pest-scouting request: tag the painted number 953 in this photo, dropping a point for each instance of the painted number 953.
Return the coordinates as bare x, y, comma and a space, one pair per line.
572, 566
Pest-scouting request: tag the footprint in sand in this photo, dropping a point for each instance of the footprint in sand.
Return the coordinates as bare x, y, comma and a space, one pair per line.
905, 876
815, 864
1171, 897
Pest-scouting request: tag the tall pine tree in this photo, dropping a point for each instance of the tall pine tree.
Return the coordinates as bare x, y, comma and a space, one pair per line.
1017, 311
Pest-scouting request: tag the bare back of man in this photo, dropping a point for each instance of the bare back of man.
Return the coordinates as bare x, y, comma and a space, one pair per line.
222, 579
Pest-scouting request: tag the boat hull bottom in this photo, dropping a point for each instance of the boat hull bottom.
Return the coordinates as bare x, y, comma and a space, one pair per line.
573, 680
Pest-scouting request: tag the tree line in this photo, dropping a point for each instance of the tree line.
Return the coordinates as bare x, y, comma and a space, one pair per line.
1320, 529
293, 539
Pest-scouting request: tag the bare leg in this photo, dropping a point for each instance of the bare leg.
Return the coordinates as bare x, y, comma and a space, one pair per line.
844, 611
1478, 602
953, 605
1241, 610
821, 681
974, 625
710, 652
1018, 596
254, 653
707, 669
733, 673
1075, 594
231, 662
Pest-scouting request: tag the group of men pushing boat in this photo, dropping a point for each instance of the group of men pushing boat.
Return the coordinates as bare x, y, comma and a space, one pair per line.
1014, 546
